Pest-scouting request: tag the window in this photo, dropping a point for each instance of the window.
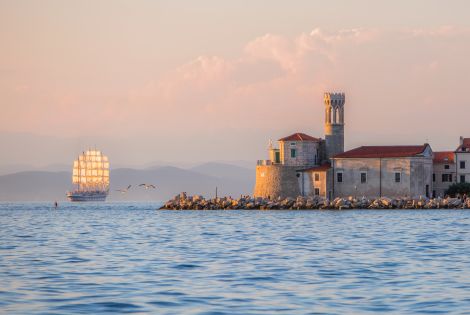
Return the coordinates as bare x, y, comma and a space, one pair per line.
446, 178
363, 178
292, 143
446, 166
317, 177
397, 177
462, 164
433, 177
339, 177
462, 178
317, 191
293, 153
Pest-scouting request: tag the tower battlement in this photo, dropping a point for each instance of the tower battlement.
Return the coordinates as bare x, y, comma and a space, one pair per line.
334, 123
334, 99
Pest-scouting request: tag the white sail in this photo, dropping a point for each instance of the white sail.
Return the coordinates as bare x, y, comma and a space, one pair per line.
91, 171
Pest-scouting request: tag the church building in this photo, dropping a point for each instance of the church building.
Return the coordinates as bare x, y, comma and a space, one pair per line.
303, 165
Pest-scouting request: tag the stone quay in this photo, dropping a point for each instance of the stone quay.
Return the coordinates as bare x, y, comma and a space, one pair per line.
196, 202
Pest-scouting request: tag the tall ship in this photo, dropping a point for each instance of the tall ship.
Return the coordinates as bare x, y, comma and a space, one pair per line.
90, 177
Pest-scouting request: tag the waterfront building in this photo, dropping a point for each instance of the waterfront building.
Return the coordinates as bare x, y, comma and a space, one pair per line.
377, 171
451, 167
462, 160
444, 172
311, 166
284, 174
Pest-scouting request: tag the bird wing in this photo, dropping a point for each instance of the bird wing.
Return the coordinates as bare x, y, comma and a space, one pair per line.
153, 186
141, 185
129, 186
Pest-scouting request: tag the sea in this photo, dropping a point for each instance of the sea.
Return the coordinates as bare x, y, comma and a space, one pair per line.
113, 258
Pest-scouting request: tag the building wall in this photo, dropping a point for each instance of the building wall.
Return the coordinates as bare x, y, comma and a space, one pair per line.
415, 174
307, 153
463, 156
334, 139
421, 177
276, 181
308, 183
439, 186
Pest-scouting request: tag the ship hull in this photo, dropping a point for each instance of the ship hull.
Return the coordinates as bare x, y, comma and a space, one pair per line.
87, 196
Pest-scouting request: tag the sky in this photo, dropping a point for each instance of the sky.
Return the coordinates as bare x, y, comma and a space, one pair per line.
195, 81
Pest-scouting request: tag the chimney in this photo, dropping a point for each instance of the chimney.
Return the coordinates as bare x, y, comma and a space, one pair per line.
461, 140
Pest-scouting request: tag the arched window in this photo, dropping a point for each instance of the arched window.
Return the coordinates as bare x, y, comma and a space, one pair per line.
337, 115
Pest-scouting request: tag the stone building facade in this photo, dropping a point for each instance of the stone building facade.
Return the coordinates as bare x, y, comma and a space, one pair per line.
444, 172
309, 166
377, 171
451, 167
334, 123
292, 162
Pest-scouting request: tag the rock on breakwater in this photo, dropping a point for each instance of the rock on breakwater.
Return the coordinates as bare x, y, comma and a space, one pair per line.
196, 202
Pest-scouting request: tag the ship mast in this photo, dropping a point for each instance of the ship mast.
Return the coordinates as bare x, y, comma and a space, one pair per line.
79, 171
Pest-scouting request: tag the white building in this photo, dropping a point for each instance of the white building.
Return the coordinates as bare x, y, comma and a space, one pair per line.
462, 160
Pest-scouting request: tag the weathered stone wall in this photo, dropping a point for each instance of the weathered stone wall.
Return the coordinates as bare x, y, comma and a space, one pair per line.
389, 185
415, 174
307, 153
308, 183
276, 181
421, 176
334, 139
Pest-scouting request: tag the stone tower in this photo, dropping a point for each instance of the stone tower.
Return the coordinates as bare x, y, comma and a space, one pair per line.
334, 123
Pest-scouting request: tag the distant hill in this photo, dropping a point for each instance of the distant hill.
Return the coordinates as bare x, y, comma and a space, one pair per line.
49, 186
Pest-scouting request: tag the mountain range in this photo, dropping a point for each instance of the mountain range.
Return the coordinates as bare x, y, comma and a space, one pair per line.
45, 185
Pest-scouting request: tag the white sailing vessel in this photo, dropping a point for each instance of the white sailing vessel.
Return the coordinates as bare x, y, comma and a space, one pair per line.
90, 177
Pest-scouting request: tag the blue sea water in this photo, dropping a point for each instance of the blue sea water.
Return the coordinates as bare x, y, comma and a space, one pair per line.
129, 258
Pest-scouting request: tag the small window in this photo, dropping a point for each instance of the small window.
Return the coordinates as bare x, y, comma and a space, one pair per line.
292, 143
363, 178
397, 177
446, 166
462, 178
462, 164
317, 177
339, 177
433, 177
446, 178
293, 153
317, 191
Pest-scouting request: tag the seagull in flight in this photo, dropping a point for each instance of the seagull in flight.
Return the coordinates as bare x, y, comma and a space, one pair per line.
147, 186
125, 190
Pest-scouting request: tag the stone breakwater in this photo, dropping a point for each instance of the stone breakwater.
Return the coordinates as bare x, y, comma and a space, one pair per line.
185, 202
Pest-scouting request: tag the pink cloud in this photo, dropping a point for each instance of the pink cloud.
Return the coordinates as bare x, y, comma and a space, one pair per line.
275, 84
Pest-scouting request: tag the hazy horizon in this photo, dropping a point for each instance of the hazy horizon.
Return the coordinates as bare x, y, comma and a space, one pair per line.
148, 81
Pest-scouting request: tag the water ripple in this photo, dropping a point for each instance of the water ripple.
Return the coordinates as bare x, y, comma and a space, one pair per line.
128, 258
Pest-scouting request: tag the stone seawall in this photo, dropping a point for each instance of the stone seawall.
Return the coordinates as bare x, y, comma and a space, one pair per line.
274, 181
184, 202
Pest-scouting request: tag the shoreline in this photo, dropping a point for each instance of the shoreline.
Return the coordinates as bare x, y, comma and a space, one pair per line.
196, 202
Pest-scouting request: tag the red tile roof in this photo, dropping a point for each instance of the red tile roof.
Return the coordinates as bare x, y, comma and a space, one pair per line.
465, 145
444, 157
299, 137
383, 151
320, 168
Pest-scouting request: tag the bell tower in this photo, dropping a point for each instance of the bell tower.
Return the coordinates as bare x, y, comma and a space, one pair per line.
334, 123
